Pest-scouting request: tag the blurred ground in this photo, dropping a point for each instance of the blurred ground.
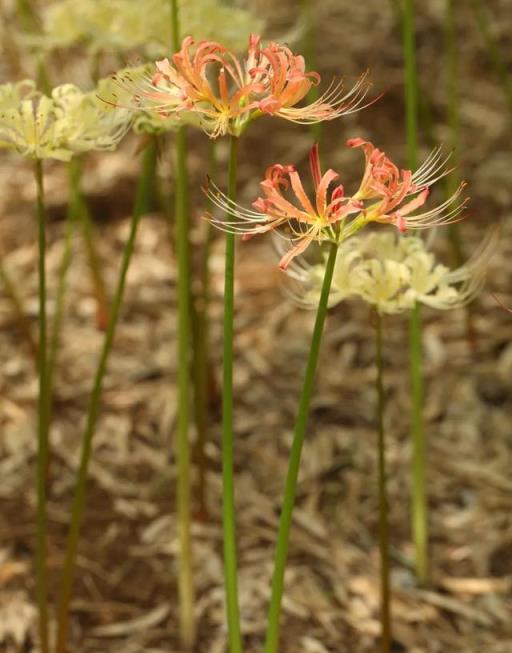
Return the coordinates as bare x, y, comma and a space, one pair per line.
125, 595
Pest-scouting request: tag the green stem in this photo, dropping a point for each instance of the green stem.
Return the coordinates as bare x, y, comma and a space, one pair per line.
453, 120
43, 425
497, 60
73, 209
228, 504
201, 355
22, 321
411, 84
383, 500
419, 448
78, 505
419, 507
425, 116
290, 488
185, 578
53, 347
308, 12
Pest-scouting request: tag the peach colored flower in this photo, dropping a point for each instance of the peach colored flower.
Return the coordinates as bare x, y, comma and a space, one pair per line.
208, 80
386, 195
385, 182
308, 221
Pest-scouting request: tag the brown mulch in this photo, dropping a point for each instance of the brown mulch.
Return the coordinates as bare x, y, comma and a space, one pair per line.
125, 595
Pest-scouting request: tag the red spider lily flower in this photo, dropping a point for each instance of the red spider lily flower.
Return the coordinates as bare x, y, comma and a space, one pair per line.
308, 221
226, 93
384, 182
386, 195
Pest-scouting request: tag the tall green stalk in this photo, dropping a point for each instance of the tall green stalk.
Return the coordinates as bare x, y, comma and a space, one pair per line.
419, 498
201, 353
308, 13
185, 580
411, 83
73, 209
290, 488
185, 577
43, 424
385, 585
453, 120
78, 505
56, 325
228, 494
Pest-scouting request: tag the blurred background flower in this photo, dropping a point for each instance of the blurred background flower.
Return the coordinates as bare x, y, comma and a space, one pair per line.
392, 272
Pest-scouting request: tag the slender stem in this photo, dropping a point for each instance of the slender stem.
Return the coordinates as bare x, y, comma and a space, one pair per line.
22, 321
175, 25
497, 60
201, 355
78, 505
73, 209
411, 84
419, 448
290, 488
419, 506
385, 593
185, 580
308, 12
55, 331
453, 119
43, 425
228, 505
425, 116
185, 577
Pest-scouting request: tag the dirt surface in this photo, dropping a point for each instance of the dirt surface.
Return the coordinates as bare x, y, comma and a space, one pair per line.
125, 592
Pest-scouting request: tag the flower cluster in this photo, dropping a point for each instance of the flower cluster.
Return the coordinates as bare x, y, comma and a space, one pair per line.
125, 25
70, 121
225, 94
386, 195
392, 273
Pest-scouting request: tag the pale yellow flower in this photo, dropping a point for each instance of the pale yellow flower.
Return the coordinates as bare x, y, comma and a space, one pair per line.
392, 272
41, 127
85, 122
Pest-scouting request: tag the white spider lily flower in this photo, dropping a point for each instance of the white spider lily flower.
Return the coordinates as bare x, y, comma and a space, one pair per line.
381, 283
41, 127
85, 122
392, 273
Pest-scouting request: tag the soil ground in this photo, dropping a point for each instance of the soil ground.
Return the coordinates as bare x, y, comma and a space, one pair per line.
125, 597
